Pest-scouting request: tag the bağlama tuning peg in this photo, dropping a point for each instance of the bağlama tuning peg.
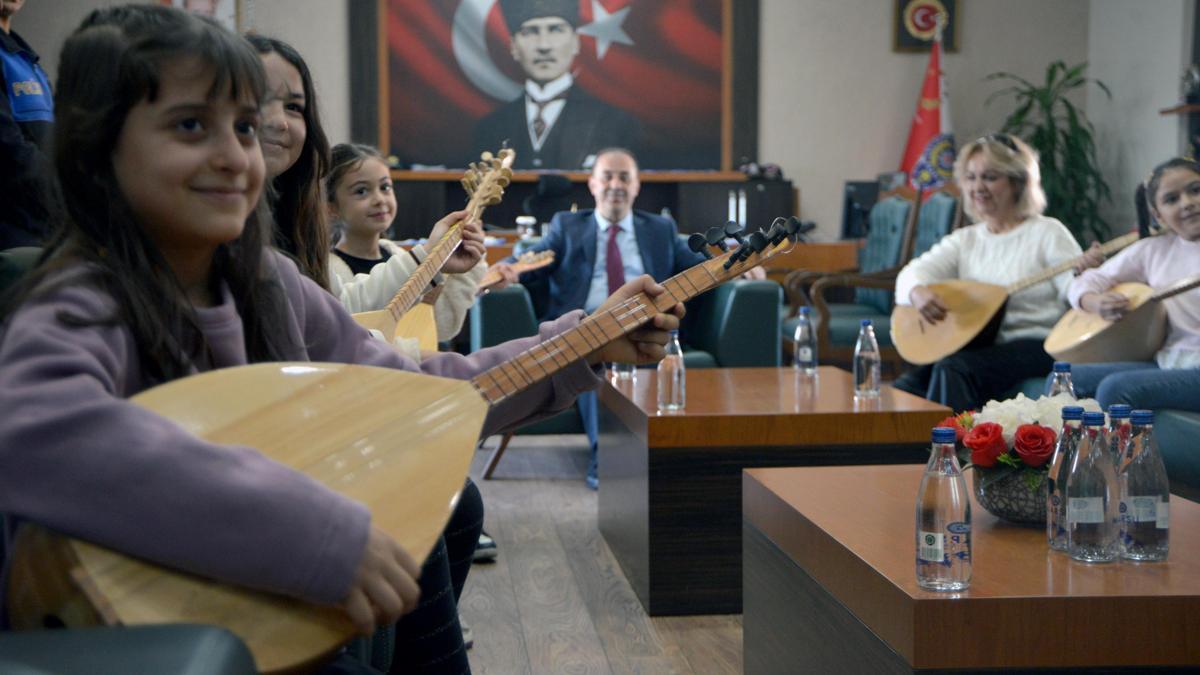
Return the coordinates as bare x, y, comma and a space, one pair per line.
732, 229
715, 236
699, 244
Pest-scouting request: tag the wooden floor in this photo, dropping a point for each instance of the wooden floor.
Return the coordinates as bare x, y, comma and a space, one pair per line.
556, 601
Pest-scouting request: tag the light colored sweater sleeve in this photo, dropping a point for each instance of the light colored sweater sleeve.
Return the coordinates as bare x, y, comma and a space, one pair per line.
458, 294
370, 292
1128, 265
78, 457
939, 263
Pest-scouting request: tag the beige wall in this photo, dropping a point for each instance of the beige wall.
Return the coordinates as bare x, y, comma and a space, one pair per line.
836, 101
1140, 55
318, 30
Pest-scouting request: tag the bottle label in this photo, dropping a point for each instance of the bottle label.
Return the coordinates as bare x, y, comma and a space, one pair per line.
1139, 509
804, 354
931, 547
1085, 510
1162, 518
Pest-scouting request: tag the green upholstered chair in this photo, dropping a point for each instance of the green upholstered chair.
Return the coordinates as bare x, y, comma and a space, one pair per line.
887, 247
732, 326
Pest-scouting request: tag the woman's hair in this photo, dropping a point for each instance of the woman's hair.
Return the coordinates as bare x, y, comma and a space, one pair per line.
111, 63
300, 228
1014, 158
1155, 179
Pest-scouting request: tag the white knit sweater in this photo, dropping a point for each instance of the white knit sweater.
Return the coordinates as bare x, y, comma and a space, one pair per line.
370, 292
976, 254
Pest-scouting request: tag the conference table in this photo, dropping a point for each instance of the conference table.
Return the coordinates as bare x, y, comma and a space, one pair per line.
670, 484
830, 586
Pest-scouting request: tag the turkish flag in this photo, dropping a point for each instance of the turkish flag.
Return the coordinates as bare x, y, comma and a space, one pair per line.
449, 64
929, 154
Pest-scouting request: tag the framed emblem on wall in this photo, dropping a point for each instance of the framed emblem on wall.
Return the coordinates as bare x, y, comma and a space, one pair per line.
916, 22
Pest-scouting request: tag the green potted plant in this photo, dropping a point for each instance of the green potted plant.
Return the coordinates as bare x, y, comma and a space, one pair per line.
1065, 141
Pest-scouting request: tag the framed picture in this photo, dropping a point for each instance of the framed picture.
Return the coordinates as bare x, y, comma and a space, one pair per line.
916, 22
460, 76
236, 15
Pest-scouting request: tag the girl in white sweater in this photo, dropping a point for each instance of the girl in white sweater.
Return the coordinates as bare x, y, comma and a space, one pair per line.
1172, 380
1002, 192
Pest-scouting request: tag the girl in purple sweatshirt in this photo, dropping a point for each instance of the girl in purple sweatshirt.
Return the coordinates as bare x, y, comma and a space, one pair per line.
159, 271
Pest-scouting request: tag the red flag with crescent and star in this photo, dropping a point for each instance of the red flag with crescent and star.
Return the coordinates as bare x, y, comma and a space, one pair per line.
449, 64
929, 154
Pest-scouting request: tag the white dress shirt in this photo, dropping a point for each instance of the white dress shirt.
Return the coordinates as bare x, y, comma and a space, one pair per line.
536, 93
631, 258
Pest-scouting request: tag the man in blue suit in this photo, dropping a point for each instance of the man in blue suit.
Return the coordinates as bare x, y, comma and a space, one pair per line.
596, 250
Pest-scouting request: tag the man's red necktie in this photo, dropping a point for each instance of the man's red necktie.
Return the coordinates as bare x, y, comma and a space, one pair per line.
613, 265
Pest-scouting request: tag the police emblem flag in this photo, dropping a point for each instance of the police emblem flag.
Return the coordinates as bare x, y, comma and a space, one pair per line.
929, 154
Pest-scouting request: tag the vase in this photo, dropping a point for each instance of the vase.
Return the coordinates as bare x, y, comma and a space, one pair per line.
1010, 497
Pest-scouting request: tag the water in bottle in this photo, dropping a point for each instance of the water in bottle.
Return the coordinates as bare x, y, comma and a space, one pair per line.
804, 343
1056, 479
943, 520
672, 392
1061, 382
1145, 494
1093, 497
866, 362
1118, 431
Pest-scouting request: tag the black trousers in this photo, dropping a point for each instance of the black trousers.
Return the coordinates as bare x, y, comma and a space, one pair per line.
429, 639
972, 377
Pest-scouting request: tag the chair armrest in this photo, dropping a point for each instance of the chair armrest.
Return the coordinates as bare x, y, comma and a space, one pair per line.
884, 279
180, 649
797, 287
500, 316
739, 324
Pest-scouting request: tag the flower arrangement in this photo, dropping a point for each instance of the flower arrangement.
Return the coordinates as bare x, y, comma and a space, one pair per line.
1017, 435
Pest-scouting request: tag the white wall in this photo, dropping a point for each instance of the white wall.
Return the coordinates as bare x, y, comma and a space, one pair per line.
836, 101
1139, 50
318, 30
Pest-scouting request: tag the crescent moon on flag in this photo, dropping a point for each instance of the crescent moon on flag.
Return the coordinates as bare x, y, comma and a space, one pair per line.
470, 50
920, 18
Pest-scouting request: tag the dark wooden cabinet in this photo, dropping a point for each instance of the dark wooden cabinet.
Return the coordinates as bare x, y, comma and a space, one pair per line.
697, 200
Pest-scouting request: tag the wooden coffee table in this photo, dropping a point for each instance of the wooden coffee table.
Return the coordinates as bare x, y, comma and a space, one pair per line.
670, 485
830, 583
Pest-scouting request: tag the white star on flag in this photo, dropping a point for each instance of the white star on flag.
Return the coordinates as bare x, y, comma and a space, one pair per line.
606, 28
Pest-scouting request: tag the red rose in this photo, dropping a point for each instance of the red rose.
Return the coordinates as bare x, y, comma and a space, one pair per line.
953, 422
1034, 444
986, 441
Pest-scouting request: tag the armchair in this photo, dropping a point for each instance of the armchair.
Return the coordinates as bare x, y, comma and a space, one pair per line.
889, 241
838, 324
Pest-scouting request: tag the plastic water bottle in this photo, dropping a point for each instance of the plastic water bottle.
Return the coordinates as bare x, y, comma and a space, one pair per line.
1145, 494
1056, 480
866, 362
943, 520
1118, 430
672, 384
1093, 497
805, 343
1062, 379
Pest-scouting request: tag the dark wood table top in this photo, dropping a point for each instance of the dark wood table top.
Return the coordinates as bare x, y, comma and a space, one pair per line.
852, 530
771, 406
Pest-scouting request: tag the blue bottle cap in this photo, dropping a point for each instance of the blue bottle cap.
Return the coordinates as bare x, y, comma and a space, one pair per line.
1119, 410
1142, 417
866, 322
673, 333
1093, 419
805, 310
1072, 412
943, 435
1062, 367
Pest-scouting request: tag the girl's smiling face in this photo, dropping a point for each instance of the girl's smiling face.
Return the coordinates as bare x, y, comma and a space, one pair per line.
1177, 202
188, 163
364, 199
